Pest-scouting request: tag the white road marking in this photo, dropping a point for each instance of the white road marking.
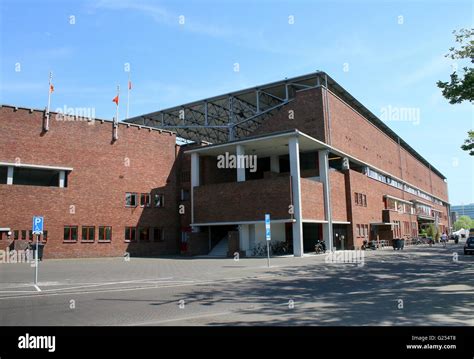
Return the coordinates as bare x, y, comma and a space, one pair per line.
37, 288
52, 292
179, 319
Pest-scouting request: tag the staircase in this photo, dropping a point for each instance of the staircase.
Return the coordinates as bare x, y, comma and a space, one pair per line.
220, 249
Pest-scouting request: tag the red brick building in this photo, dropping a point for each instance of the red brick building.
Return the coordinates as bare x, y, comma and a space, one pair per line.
324, 167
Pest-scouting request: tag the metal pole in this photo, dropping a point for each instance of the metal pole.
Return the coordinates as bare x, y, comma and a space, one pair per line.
46, 125
36, 260
128, 94
268, 255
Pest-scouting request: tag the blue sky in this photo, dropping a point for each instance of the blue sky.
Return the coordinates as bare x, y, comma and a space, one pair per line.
393, 51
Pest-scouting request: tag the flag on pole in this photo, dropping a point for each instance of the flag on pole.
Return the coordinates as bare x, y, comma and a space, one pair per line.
51, 88
116, 100
129, 85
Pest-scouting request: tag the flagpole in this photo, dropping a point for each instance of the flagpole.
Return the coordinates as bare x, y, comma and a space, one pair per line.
117, 108
46, 124
116, 120
128, 94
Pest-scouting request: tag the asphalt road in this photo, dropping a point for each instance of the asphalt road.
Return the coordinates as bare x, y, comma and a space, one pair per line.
420, 285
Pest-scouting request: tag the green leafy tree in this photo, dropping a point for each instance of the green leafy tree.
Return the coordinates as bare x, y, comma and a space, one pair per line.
463, 222
469, 143
461, 85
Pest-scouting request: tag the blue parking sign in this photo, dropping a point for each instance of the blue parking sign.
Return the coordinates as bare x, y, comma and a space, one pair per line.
268, 235
38, 224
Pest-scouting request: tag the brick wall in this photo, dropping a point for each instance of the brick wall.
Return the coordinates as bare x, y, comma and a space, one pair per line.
307, 109
140, 161
312, 200
353, 134
243, 201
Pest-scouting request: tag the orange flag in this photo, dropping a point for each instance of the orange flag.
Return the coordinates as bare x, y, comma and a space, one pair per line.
129, 85
51, 88
116, 100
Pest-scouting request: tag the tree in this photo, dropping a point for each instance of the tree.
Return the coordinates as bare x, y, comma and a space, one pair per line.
469, 143
463, 222
461, 86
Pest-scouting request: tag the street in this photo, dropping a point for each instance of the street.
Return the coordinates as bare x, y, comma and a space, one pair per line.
421, 286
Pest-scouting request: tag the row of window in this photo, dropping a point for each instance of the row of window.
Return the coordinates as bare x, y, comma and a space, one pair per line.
390, 181
360, 199
362, 230
131, 200
87, 233
131, 234
24, 235
399, 206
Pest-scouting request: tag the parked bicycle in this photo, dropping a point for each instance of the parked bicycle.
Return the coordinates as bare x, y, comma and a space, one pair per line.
320, 247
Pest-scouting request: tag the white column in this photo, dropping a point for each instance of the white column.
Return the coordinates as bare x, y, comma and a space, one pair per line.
293, 146
62, 178
275, 163
194, 179
240, 151
244, 238
10, 175
324, 176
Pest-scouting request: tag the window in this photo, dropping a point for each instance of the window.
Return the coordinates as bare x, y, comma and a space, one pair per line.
105, 233
145, 200
360, 199
158, 200
15, 234
70, 233
391, 204
23, 235
144, 234
30, 236
158, 234
130, 199
3, 174
366, 230
88, 234
45, 236
185, 195
35, 177
130, 234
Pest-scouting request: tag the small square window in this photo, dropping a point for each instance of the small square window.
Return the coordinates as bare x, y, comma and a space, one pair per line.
105, 234
130, 234
144, 234
158, 234
70, 234
88, 234
145, 200
130, 199
158, 200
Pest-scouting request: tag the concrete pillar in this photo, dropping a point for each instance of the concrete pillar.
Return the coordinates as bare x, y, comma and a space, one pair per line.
240, 151
324, 176
10, 175
244, 238
275, 163
293, 146
62, 178
194, 179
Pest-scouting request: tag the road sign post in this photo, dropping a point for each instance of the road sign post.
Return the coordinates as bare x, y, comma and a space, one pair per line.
268, 237
38, 226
